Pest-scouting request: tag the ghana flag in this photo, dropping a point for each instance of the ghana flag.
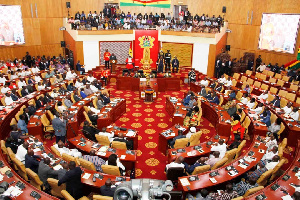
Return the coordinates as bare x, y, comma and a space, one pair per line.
298, 56
151, 3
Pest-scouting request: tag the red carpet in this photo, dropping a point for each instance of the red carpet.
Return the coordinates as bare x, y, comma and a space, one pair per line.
150, 119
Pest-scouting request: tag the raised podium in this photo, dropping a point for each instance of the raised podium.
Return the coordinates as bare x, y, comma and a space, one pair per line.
113, 65
148, 89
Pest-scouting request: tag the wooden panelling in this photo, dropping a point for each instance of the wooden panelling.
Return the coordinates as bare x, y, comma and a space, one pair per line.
211, 60
184, 52
76, 47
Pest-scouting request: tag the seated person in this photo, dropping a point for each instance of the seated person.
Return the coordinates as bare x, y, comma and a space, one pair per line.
22, 151
265, 118
242, 187
220, 146
192, 116
257, 172
191, 168
87, 90
263, 96
8, 99
202, 195
76, 96
215, 99
251, 103
82, 94
232, 94
14, 96
105, 133
54, 94
228, 194
40, 86
288, 108
209, 96
187, 98
31, 161
247, 89
105, 98
121, 138
204, 82
62, 90
100, 103
236, 128
222, 79
96, 160
219, 87
270, 154
271, 164
271, 141
60, 107
276, 102
45, 171
258, 109
202, 91
244, 99
190, 133
91, 130
71, 87
93, 117
179, 162
213, 159
107, 189
275, 127
213, 85
228, 82
68, 102
295, 114
79, 83
192, 102
60, 146
115, 161
179, 136
232, 109
9, 142
22, 125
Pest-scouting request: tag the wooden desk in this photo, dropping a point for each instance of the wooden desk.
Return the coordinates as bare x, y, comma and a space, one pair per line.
223, 176
128, 161
285, 185
168, 84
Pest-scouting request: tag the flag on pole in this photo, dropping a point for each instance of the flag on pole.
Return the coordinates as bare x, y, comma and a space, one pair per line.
130, 51
298, 56
150, 3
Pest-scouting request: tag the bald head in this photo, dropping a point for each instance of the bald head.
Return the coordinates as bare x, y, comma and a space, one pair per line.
201, 160
108, 183
47, 161
120, 135
25, 145
179, 159
30, 152
216, 154
92, 152
221, 141
60, 144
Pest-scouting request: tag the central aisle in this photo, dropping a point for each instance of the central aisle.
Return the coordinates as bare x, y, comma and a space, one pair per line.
150, 119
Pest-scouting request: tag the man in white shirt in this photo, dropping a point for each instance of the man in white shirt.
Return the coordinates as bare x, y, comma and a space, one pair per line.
251, 103
212, 160
93, 88
261, 68
222, 79
35, 70
90, 78
54, 94
8, 100
40, 86
270, 153
221, 147
5, 89
263, 95
21, 83
78, 83
228, 82
258, 109
244, 99
191, 132
271, 142
177, 163
62, 149
204, 82
295, 114
2, 79
109, 135
71, 75
22, 151
288, 108
273, 163
37, 78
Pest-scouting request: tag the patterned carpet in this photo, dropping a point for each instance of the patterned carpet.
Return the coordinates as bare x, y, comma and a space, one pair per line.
150, 119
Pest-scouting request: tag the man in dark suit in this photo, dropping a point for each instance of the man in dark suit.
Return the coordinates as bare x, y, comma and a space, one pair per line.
105, 98
70, 87
72, 178
107, 190
202, 91
42, 65
24, 91
76, 96
26, 115
219, 87
179, 136
90, 130
93, 117
45, 172
80, 68
31, 81
191, 168
276, 102
175, 64
31, 161
31, 109
39, 103
228, 67
215, 99
59, 124
121, 138
14, 95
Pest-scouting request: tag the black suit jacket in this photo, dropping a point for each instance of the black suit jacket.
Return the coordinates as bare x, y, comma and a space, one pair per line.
92, 131
72, 179
24, 92
39, 104
32, 163
93, 119
107, 191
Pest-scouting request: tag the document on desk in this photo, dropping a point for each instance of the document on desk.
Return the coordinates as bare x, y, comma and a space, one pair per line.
130, 134
123, 157
184, 182
100, 153
4, 169
86, 176
213, 180
12, 191
36, 150
57, 167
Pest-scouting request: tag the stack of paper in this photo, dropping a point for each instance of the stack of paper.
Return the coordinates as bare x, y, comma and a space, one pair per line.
184, 181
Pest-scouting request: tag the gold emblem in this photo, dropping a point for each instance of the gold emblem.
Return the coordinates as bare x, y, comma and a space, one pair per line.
151, 145
152, 162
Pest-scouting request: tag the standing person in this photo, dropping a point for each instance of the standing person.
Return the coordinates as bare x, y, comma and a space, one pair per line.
106, 58
80, 67
192, 76
168, 61
175, 64
186, 14
129, 63
72, 178
258, 62
160, 64
112, 57
59, 124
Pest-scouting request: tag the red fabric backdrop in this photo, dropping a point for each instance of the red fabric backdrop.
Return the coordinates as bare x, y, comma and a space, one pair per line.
138, 51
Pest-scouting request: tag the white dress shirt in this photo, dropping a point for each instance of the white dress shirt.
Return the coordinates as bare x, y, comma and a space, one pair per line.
287, 110
71, 152
270, 143
90, 78
70, 75
8, 101
54, 94
220, 148
5, 89
295, 115
204, 82
41, 87
271, 165
244, 100
258, 109
2, 80
222, 80
78, 84
21, 84
35, 70
21, 152
263, 96
37, 79
93, 88
119, 164
250, 104
269, 155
